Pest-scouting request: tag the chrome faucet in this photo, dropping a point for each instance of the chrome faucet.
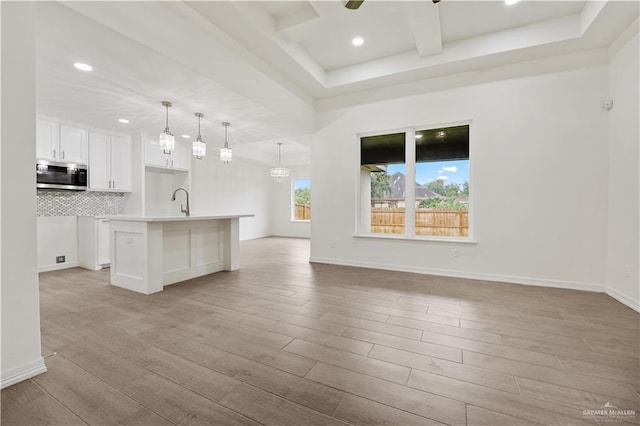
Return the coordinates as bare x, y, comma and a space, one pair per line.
182, 209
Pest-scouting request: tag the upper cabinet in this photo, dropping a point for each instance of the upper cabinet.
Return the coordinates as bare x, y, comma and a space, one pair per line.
57, 142
47, 140
73, 144
179, 159
121, 163
181, 156
110, 163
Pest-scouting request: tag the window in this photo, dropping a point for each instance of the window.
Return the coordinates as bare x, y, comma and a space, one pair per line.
301, 205
437, 204
383, 163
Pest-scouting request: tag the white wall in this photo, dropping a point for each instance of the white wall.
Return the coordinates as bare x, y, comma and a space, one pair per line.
538, 181
20, 313
623, 277
159, 187
240, 187
282, 225
57, 236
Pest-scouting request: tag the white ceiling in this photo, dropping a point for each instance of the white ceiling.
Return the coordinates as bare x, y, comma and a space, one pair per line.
466, 19
266, 66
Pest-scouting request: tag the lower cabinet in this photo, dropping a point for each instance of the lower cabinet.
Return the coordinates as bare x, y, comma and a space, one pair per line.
94, 246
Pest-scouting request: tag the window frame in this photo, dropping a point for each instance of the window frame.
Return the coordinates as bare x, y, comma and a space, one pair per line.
410, 176
292, 203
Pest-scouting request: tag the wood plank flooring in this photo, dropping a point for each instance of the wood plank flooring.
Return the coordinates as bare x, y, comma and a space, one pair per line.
285, 342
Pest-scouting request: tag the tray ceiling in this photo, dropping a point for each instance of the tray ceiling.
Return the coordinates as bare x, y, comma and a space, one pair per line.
266, 66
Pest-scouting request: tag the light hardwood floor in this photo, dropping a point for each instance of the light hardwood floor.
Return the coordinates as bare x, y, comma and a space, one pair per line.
285, 342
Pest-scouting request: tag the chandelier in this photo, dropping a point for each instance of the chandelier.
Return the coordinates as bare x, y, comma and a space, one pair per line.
279, 173
167, 140
199, 147
225, 151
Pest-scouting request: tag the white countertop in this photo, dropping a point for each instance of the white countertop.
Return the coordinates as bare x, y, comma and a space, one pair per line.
175, 218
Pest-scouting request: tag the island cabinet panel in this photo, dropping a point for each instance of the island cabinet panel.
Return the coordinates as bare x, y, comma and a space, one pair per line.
176, 244
210, 242
128, 245
151, 252
192, 249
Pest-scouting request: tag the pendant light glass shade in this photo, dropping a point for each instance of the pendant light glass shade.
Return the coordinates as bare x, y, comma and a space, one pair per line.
199, 147
225, 152
279, 173
166, 139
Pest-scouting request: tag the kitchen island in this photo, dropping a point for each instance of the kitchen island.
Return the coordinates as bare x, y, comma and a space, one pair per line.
149, 252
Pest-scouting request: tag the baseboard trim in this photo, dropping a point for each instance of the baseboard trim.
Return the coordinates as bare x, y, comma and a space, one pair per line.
623, 298
539, 282
23, 372
253, 237
57, 267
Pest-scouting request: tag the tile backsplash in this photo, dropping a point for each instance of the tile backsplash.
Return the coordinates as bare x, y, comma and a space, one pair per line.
81, 203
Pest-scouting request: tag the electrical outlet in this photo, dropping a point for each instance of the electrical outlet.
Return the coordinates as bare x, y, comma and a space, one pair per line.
60, 259
456, 253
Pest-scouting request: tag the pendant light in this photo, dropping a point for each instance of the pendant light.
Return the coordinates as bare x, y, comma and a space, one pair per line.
199, 147
279, 173
167, 141
225, 151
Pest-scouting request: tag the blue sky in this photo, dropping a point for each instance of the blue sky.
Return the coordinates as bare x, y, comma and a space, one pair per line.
450, 171
301, 183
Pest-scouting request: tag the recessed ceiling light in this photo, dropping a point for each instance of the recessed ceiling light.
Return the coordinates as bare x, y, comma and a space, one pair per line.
510, 2
123, 120
357, 41
186, 136
83, 67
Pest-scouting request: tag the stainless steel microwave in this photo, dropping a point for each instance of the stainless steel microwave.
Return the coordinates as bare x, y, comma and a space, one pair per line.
54, 175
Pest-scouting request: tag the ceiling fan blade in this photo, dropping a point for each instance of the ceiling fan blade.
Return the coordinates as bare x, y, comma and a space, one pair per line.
353, 4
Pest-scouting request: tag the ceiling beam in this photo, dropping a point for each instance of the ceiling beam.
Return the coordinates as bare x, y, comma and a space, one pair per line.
425, 24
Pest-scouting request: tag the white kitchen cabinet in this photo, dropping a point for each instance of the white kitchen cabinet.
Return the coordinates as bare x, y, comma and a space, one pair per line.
104, 245
110, 164
181, 156
179, 159
94, 245
57, 142
73, 144
121, 163
99, 161
153, 154
47, 140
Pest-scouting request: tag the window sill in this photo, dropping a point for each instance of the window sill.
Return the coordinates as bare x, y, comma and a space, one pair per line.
461, 240
300, 221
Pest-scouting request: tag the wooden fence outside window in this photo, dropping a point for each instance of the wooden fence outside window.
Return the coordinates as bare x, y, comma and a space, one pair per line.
302, 212
445, 222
